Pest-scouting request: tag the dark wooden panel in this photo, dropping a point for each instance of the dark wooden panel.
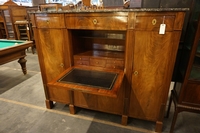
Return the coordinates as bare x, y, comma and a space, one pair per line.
150, 3
175, 3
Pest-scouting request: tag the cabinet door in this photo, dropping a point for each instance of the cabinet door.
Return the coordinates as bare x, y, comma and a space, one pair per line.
53, 59
51, 52
153, 61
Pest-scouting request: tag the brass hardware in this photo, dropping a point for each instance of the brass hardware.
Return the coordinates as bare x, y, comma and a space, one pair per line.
94, 21
154, 21
61, 65
47, 21
135, 73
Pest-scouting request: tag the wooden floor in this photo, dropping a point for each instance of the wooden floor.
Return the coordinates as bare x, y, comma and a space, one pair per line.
22, 109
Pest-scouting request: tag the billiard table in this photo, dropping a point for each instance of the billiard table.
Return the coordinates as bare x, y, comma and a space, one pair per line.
12, 50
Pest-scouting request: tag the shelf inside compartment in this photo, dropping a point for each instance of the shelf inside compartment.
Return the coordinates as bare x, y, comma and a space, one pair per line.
90, 80
101, 53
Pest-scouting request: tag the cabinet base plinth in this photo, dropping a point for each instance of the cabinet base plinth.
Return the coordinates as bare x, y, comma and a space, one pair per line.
49, 104
72, 109
124, 120
159, 126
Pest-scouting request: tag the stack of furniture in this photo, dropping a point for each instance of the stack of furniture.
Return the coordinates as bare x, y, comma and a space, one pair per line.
7, 17
16, 22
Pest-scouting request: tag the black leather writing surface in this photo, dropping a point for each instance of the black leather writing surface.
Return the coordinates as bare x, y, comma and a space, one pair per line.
93, 78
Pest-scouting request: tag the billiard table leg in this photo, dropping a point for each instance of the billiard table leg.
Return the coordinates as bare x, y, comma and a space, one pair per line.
22, 62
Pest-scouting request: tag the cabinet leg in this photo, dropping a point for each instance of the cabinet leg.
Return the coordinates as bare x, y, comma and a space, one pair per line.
159, 126
72, 109
49, 104
124, 120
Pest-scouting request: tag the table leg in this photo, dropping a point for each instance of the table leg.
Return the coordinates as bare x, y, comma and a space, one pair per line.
22, 62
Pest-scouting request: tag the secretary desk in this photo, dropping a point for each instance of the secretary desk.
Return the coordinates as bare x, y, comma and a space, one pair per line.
118, 61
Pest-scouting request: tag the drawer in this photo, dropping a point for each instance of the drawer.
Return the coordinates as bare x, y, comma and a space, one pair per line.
97, 62
79, 62
58, 94
115, 66
153, 22
81, 58
50, 21
113, 61
97, 21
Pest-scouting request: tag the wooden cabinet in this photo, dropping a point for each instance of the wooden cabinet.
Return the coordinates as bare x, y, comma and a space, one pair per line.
153, 58
186, 91
129, 46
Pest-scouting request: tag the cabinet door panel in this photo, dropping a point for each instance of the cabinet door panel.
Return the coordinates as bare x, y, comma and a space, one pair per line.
51, 49
191, 95
151, 66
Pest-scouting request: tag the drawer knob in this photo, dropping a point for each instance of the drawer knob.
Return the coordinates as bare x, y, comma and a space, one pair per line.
94, 21
154, 21
135, 73
47, 21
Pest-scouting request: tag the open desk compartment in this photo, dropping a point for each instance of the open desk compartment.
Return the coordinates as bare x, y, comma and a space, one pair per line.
91, 80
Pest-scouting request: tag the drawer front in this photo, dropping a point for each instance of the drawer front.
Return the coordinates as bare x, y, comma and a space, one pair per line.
113, 61
154, 22
116, 64
50, 21
109, 22
58, 94
97, 62
79, 62
81, 58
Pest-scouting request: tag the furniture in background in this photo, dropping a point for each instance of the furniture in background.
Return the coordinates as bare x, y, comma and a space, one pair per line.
186, 91
130, 45
23, 32
3, 31
10, 13
12, 50
6, 10
50, 6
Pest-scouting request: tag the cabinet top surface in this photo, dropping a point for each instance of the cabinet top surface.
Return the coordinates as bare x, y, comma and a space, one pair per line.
115, 10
